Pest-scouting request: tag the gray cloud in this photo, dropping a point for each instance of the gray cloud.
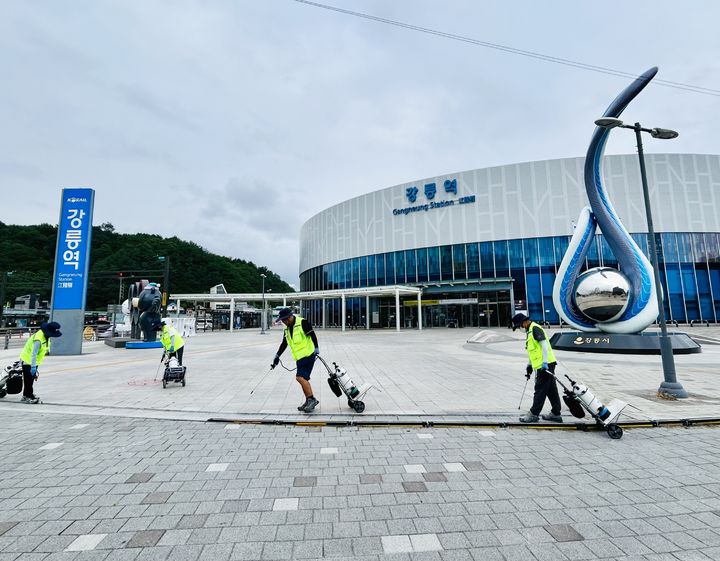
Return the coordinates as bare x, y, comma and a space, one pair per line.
231, 114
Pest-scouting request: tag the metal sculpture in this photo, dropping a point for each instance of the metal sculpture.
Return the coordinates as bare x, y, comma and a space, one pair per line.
145, 300
604, 299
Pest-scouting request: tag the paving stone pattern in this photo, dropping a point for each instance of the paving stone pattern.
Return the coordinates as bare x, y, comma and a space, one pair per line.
139, 489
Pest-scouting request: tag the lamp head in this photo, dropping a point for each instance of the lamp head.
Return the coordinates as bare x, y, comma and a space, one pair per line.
665, 134
608, 122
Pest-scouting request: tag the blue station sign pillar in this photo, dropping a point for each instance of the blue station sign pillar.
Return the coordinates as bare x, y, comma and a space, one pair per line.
72, 260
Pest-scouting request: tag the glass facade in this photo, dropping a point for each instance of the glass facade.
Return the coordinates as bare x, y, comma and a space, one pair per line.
689, 271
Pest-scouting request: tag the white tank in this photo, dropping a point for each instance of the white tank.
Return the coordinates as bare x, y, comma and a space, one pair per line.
346, 382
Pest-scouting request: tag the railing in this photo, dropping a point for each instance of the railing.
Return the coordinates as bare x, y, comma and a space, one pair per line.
16, 337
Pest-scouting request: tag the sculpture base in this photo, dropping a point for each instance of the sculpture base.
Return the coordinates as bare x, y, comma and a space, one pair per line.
118, 342
143, 345
634, 344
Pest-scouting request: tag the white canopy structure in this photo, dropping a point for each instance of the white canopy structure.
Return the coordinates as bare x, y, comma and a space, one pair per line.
323, 295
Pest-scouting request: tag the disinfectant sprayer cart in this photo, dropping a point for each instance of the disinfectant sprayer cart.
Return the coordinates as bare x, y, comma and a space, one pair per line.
579, 399
340, 383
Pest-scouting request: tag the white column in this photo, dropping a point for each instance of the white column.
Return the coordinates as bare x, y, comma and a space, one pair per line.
367, 312
419, 297
323, 314
284, 301
177, 308
397, 310
232, 314
342, 312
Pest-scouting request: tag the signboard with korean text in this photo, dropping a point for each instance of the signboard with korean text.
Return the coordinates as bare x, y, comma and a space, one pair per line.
72, 260
72, 256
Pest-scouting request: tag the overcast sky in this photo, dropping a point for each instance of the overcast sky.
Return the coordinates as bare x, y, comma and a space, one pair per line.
231, 122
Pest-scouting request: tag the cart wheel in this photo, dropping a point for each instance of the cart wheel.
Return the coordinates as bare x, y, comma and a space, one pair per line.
359, 407
164, 384
183, 382
614, 431
3, 393
351, 403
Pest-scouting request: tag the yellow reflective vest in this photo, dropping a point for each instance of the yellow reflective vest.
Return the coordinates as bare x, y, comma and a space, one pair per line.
26, 354
534, 348
300, 344
167, 338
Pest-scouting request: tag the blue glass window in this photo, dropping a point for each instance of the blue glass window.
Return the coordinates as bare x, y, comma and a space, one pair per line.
704, 293
690, 291
534, 296
446, 262
642, 241
410, 266
670, 248
434, 263
502, 267
530, 251
362, 279
372, 273
561, 244
380, 265
473, 260
675, 292
422, 264
487, 260
551, 315
515, 253
400, 267
459, 262
389, 268
547, 254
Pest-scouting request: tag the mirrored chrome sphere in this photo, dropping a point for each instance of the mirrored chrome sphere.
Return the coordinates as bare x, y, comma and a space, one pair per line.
601, 294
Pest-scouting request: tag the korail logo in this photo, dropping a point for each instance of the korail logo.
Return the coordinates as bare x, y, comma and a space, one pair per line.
76, 200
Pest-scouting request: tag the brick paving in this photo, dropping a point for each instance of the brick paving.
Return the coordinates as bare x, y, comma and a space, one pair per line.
140, 489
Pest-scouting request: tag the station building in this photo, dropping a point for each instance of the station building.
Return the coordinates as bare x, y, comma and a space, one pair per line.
483, 243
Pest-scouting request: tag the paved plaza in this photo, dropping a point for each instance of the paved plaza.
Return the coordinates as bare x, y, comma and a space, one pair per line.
113, 467
416, 375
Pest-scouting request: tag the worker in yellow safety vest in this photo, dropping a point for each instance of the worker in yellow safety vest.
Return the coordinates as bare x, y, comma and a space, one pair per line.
33, 355
300, 337
171, 340
541, 360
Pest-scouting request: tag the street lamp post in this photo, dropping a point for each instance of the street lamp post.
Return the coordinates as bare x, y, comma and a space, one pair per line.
670, 385
166, 281
262, 318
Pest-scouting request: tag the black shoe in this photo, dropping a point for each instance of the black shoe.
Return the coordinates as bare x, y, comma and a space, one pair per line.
302, 407
33, 399
311, 404
551, 417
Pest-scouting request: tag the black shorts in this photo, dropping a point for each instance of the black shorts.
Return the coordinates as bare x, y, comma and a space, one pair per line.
305, 366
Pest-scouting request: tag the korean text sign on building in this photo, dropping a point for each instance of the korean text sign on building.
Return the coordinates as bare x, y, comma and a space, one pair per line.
72, 256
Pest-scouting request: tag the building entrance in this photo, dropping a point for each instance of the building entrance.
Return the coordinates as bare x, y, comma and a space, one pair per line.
460, 309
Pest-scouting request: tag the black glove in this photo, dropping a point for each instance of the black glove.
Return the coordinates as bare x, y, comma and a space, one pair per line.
528, 372
275, 362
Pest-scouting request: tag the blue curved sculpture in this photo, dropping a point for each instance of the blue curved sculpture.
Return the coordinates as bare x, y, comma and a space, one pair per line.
642, 307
